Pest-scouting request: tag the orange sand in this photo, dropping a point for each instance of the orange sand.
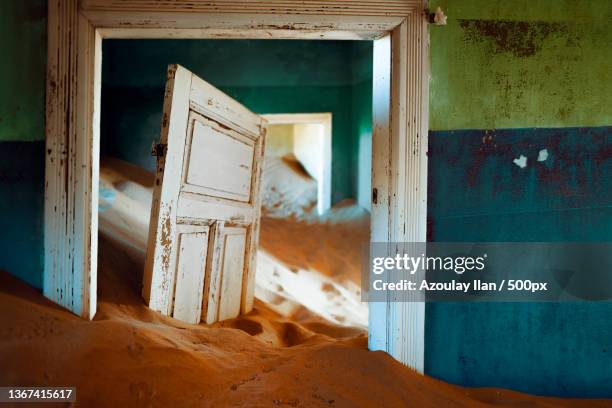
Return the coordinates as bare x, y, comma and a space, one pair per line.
130, 356
307, 265
315, 263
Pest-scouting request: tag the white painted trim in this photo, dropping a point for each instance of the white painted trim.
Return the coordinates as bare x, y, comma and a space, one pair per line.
73, 81
72, 159
324, 186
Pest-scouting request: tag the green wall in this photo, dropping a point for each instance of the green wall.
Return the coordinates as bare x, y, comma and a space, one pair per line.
511, 78
266, 76
23, 46
521, 63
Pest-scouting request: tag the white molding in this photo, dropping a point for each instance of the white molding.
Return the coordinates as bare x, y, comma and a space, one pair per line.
72, 158
250, 7
72, 121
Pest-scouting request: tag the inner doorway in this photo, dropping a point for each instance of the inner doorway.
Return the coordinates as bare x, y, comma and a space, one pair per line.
299, 77
308, 138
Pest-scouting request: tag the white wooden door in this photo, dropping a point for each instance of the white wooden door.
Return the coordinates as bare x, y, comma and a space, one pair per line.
204, 226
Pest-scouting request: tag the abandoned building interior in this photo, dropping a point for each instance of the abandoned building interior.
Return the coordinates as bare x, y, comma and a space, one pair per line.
316, 97
191, 190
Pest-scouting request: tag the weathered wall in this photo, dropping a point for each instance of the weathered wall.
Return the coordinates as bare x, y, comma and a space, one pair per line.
23, 45
266, 76
517, 64
511, 78
23, 42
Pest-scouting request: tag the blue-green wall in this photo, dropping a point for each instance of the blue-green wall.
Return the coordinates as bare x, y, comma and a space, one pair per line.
507, 76
477, 193
23, 46
266, 76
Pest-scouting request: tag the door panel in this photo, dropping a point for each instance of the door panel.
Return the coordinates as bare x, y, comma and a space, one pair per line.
206, 207
232, 272
220, 163
191, 267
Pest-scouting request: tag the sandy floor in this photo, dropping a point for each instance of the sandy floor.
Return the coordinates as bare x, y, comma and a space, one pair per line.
306, 266
314, 264
287, 352
130, 356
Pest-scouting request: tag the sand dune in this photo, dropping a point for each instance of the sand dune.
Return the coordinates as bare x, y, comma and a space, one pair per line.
284, 353
307, 266
133, 357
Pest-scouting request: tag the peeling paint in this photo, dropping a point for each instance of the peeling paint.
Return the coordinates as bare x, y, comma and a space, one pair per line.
519, 38
165, 239
542, 155
521, 65
476, 194
521, 161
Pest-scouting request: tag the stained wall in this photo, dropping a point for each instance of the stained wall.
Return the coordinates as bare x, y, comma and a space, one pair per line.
23, 46
512, 79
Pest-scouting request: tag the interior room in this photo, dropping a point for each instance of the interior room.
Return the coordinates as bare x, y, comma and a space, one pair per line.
196, 193
316, 97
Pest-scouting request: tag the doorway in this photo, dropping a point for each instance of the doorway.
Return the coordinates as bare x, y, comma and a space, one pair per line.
399, 159
308, 138
312, 232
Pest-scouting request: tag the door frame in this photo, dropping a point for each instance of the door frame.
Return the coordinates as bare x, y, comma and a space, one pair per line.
400, 118
324, 186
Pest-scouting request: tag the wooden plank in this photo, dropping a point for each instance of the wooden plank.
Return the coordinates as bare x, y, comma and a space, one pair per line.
212, 287
88, 160
381, 176
210, 169
146, 32
73, 97
207, 24
232, 271
216, 105
248, 293
311, 7
195, 206
191, 266
403, 331
158, 278
61, 88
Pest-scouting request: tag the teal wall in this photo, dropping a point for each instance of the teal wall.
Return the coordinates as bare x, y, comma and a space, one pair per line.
266, 76
511, 78
23, 46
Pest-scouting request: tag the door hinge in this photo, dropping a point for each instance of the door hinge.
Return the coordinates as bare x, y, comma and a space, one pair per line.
158, 149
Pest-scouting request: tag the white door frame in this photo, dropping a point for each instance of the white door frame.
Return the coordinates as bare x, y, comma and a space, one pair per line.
399, 164
324, 184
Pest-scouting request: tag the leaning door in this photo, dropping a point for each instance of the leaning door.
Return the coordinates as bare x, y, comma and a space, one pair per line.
204, 225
